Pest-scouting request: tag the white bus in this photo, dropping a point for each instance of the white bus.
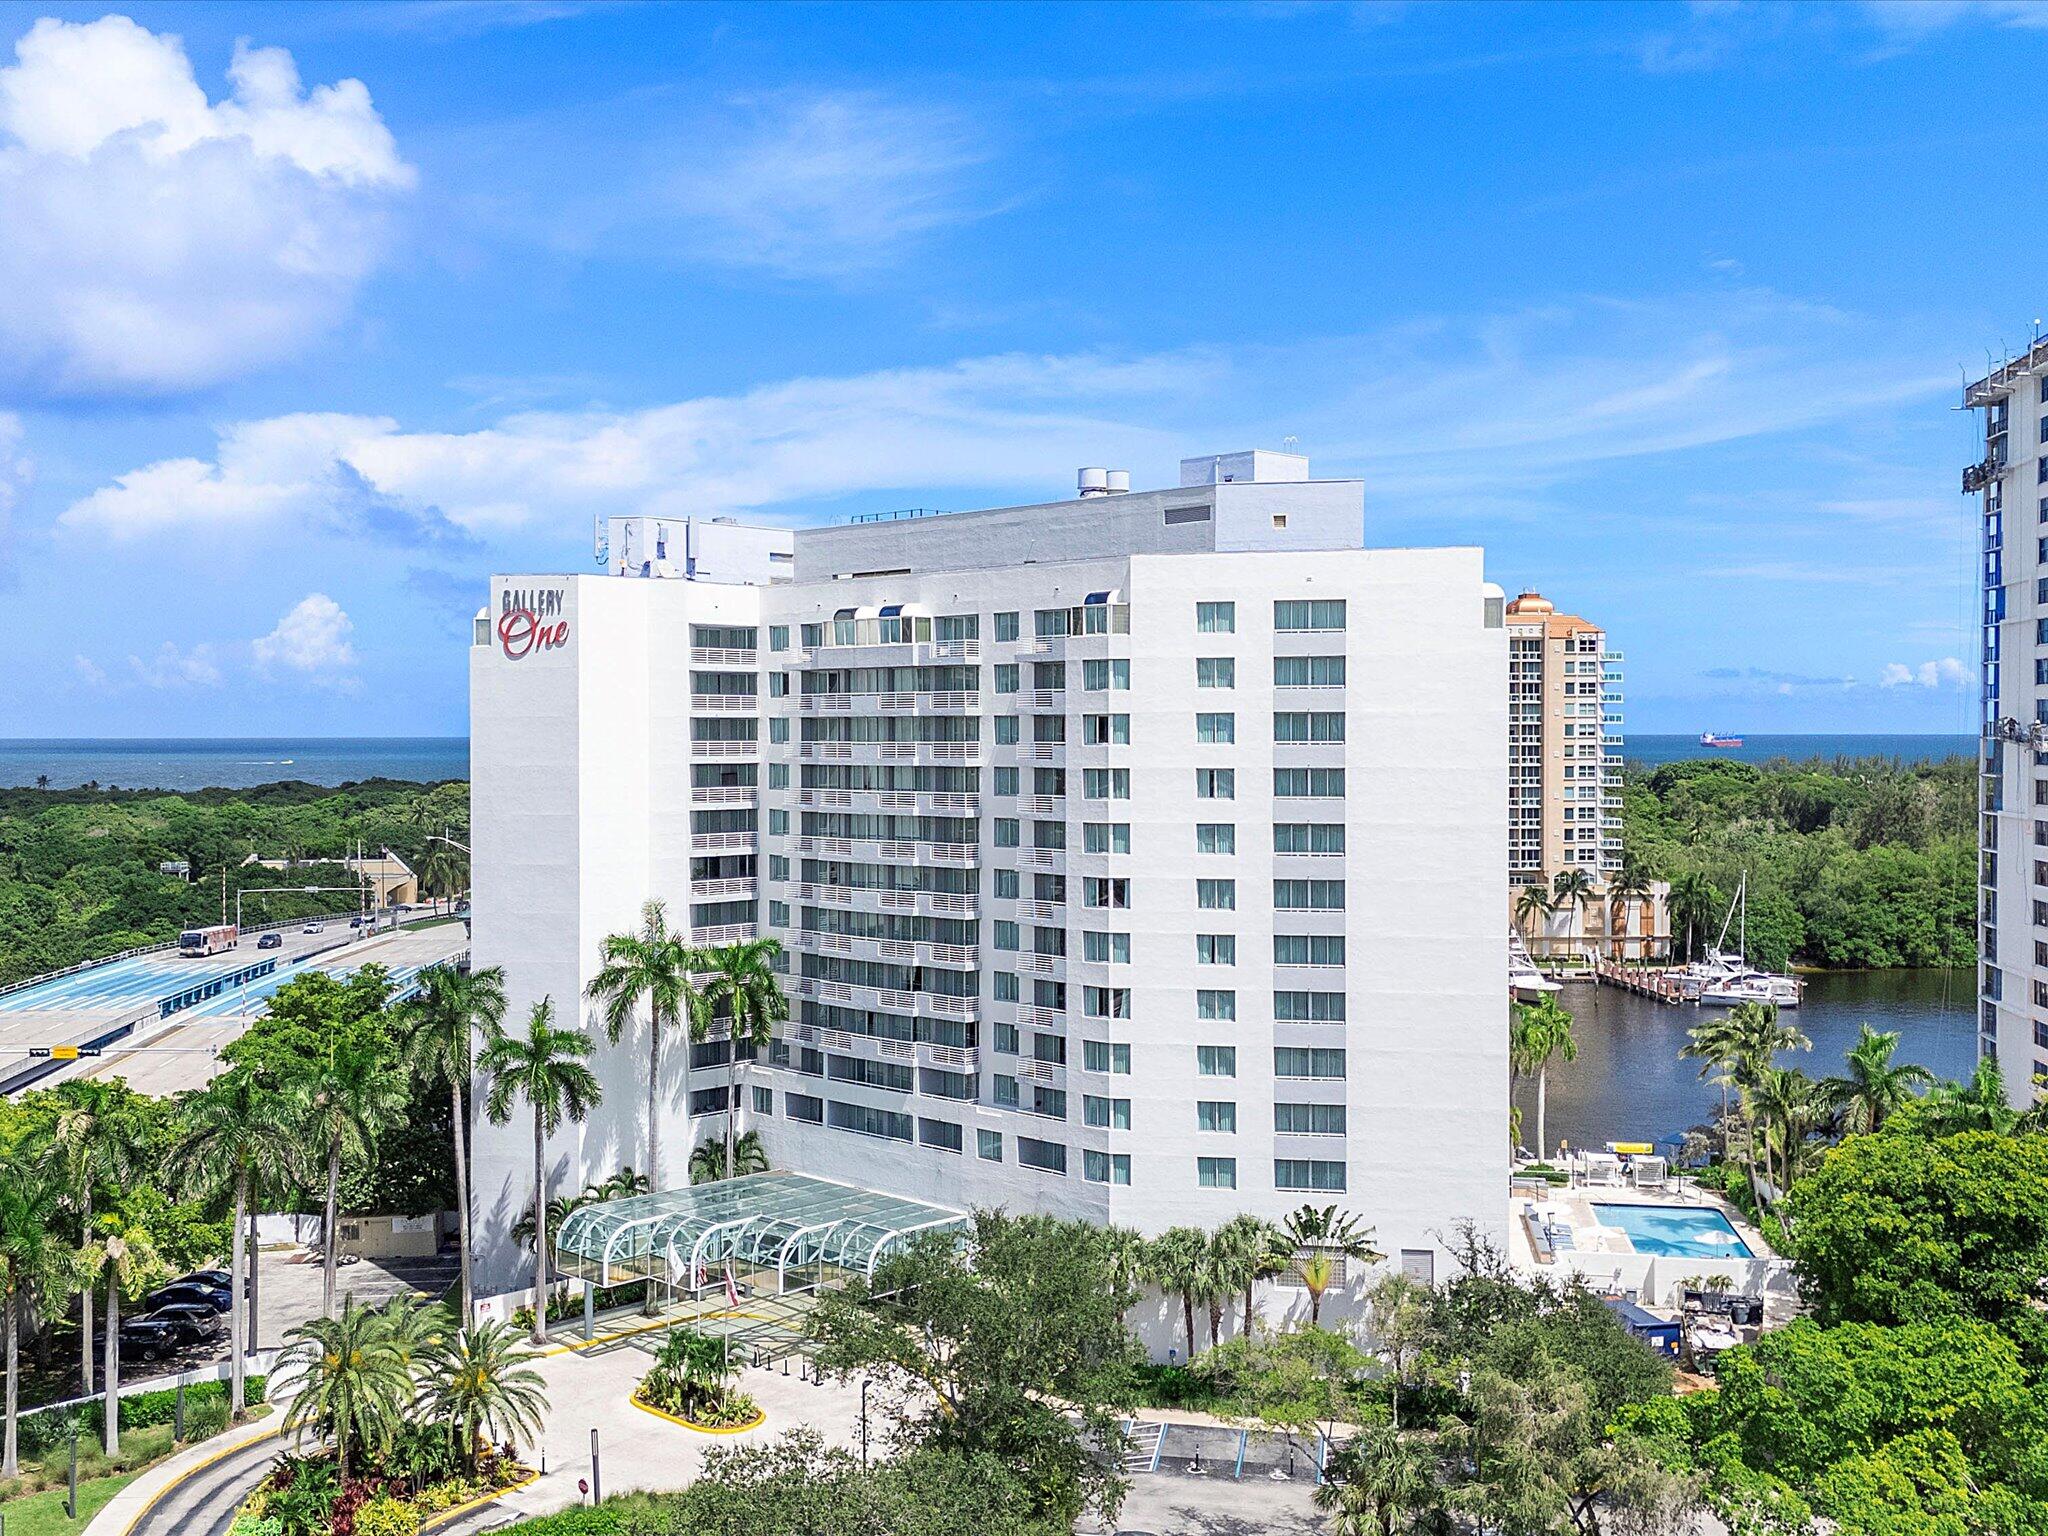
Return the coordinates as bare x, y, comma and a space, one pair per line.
208, 941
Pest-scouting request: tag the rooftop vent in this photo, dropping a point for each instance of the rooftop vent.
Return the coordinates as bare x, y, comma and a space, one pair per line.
1104, 482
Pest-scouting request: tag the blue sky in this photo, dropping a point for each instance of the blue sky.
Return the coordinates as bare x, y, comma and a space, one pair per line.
311, 316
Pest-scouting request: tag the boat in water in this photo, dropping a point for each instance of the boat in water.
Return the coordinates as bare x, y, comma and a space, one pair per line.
1524, 980
1709, 739
1723, 979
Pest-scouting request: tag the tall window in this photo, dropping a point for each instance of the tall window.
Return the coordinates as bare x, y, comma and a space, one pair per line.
1212, 1003
1215, 837
1216, 1060
1215, 672
1213, 729
1215, 784
1006, 626
1215, 949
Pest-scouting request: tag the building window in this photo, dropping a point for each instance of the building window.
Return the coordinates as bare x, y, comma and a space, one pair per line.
1105, 1056
1215, 784
1215, 1003
1216, 1172
778, 822
1006, 781
1106, 1167
1216, 618
1297, 726
1308, 671
1307, 1173
1004, 1090
1006, 730
1308, 1007
1303, 1061
1103, 891
943, 1134
1215, 672
1308, 1119
1322, 614
953, 627
1308, 895
988, 1145
1216, 1060
764, 1101
801, 1106
1049, 1156
1106, 836
1308, 949
1008, 831
1105, 1114
1106, 948
1098, 675
1308, 783
1006, 677
1106, 783
1308, 837
1215, 949
1219, 1115
1049, 1102
778, 730
1006, 626
1216, 895
1006, 934
1104, 730
1215, 837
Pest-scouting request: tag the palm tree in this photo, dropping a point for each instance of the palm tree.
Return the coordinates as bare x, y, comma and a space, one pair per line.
560, 1209
481, 1380
1177, 1260
355, 1381
656, 965
1243, 1252
1694, 901
1874, 1085
1542, 1029
126, 1254
1630, 886
1570, 890
452, 1009
1715, 1042
742, 989
96, 1139
35, 1267
1324, 1234
341, 1106
42, 782
1377, 1483
546, 1068
712, 1161
1979, 1104
1531, 907
1756, 1038
233, 1139
1125, 1252
1790, 1107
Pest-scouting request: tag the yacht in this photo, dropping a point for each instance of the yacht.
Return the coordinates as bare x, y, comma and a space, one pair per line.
1723, 979
1524, 980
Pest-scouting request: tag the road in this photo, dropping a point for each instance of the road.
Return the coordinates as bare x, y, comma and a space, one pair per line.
205, 1503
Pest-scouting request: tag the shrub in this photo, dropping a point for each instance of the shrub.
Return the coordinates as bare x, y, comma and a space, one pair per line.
386, 1516
207, 1418
599, 1521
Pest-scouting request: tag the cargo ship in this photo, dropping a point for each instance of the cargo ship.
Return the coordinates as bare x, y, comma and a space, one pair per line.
1709, 739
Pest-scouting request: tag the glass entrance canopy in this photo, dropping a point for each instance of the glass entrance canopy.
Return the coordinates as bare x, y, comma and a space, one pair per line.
802, 1230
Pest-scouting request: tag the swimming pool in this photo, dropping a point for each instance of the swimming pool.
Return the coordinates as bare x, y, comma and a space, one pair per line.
1677, 1232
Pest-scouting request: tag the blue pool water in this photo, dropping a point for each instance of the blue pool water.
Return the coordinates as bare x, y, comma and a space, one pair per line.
1675, 1232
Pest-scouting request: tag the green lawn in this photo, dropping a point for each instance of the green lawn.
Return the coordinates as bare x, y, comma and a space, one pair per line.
42, 1514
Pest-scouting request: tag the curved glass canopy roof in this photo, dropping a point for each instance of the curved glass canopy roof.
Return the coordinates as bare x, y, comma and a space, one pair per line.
802, 1228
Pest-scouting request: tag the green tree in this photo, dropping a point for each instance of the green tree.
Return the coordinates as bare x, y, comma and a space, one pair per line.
657, 966
1571, 889
708, 1160
1542, 1029
355, 1382
1177, 1261
1377, 1483
35, 1268
742, 990
1018, 1354
1976, 1104
234, 1139
1313, 1237
1695, 906
480, 1379
1244, 1251
1791, 1109
1716, 1043
341, 1104
98, 1136
1630, 887
1398, 1323
453, 1009
1531, 907
545, 1067
124, 1253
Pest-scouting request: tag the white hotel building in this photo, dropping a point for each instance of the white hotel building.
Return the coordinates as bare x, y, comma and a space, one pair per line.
1136, 857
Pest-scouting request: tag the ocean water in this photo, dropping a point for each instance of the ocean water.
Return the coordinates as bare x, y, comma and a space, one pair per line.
231, 762
1758, 749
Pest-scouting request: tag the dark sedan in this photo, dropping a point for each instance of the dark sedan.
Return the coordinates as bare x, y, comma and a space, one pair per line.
192, 1322
144, 1338
215, 1296
217, 1279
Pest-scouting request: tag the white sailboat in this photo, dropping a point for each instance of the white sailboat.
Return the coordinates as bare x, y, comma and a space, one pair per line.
1724, 979
1524, 980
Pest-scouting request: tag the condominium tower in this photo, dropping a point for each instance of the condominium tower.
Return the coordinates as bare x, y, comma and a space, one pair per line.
1134, 856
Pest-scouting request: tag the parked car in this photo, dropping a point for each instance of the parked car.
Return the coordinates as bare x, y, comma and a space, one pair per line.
144, 1338
214, 1296
192, 1322
271, 941
314, 928
219, 1279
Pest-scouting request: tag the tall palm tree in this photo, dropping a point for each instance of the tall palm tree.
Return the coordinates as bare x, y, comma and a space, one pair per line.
1177, 1260
712, 1161
546, 1068
1128, 1261
741, 988
1630, 887
341, 1105
1790, 1107
126, 1255
1313, 1237
482, 1381
1757, 1037
1716, 1043
1531, 907
97, 1136
657, 965
1874, 1085
1694, 901
452, 1010
354, 1377
1542, 1029
35, 1267
233, 1139
1978, 1104
1378, 1482
1243, 1251
1570, 889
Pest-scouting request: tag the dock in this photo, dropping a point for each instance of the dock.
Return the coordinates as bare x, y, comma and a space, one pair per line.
1642, 981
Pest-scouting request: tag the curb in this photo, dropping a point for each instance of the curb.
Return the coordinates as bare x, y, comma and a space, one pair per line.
446, 1515
186, 1474
702, 1429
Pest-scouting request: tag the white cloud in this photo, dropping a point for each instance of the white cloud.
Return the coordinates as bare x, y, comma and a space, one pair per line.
157, 241
89, 672
1943, 672
312, 638
171, 667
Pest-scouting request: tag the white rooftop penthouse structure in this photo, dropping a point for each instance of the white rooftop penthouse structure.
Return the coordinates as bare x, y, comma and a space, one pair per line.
1135, 856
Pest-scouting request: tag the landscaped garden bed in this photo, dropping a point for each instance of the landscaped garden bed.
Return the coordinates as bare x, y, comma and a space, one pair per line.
691, 1385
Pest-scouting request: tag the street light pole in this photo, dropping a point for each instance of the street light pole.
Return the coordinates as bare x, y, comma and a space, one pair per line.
864, 1423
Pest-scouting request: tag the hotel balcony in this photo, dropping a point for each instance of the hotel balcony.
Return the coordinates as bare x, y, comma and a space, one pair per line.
716, 656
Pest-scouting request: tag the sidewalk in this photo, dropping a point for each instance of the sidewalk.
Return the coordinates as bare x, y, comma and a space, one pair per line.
121, 1512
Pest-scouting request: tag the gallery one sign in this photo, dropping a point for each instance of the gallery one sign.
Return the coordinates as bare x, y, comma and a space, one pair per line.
531, 619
